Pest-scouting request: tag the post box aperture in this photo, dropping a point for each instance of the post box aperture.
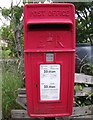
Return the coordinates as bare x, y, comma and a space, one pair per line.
49, 57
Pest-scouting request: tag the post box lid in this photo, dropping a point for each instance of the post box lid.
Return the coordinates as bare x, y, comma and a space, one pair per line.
49, 13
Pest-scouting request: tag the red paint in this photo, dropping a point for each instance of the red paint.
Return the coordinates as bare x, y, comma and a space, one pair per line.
49, 28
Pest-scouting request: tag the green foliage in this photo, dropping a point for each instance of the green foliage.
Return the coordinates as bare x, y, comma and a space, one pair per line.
14, 15
78, 87
87, 68
90, 69
18, 11
6, 12
83, 100
7, 34
11, 81
84, 22
6, 53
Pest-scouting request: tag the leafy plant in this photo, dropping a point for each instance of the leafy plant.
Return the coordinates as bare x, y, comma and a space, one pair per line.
84, 23
90, 68
87, 68
6, 53
82, 100
11, 81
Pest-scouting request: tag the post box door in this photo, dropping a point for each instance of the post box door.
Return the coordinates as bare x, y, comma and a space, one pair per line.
41, 105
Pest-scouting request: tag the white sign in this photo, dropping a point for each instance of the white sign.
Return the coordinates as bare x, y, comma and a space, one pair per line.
50, 82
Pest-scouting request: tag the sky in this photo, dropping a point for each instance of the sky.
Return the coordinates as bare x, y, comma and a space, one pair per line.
7, 4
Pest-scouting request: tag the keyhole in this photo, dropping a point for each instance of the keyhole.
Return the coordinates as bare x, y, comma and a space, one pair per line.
36, 86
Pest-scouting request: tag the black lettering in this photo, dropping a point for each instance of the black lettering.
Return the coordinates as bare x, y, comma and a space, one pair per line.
45, 71
45, 86
51, 86
52, 71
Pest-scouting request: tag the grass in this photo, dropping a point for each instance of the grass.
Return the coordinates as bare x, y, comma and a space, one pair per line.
11, 81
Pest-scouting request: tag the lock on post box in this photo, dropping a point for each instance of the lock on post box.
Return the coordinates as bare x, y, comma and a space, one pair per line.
49, 58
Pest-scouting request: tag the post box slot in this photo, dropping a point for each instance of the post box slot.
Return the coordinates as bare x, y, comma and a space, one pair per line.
49, 26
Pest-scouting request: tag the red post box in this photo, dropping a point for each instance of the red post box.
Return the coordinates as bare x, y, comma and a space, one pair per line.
49, 58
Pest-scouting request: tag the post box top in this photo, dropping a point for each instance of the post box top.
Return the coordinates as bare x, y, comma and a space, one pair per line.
49, 13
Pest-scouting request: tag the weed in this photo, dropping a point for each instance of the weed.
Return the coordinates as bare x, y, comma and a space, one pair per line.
11, 81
